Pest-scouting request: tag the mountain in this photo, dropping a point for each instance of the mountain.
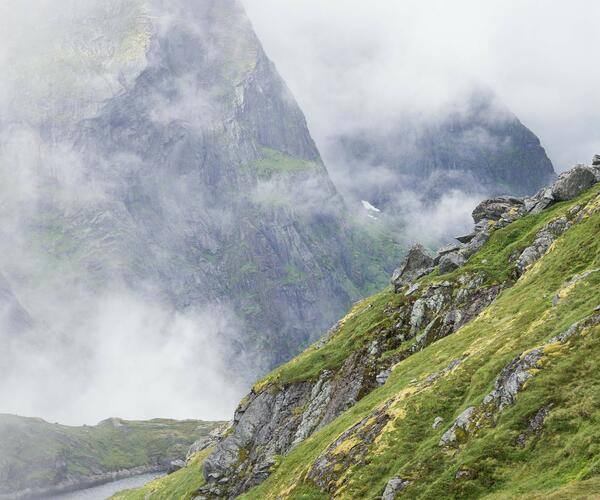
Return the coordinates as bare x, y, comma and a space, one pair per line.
187, 177
474, 376
40, 459
475, 145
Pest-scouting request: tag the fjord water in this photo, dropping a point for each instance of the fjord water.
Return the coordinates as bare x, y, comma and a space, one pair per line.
104, 491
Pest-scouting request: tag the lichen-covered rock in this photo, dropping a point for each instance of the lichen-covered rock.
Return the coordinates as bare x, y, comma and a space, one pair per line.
460, 426
541, 244
494, 208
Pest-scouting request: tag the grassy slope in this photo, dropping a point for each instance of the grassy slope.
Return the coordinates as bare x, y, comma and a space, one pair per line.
32, 448
179, 485
522, 318
562, 462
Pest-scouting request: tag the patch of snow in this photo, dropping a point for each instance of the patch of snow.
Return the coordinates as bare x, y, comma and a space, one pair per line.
369, 207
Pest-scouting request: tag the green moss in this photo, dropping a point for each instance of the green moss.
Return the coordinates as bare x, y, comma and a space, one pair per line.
275, 162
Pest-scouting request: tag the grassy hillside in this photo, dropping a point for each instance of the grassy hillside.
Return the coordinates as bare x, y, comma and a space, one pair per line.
544, 441
37, 454
179, 485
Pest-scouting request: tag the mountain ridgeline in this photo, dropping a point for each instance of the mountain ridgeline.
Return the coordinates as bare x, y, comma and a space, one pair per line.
474, 376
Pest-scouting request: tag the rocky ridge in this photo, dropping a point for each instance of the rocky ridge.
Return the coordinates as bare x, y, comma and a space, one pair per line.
275, 417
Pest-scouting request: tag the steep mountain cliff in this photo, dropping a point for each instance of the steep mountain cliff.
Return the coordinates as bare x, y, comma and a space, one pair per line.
473, 377
190, 178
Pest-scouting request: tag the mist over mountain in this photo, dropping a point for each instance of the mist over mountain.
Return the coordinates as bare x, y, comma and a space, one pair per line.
170, 212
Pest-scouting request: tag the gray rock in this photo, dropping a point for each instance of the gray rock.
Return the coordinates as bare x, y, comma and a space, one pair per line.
572, 183
175, 465
447, 249
417, 263
393, 487
466, 238
494, 208
382, 376
596, 160
540, 201
437, 421
451, 262
541, 244
461, 423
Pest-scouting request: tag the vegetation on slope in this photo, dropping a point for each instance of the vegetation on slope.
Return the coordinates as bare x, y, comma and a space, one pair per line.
38, 454
492, 460
180, 485
390, 433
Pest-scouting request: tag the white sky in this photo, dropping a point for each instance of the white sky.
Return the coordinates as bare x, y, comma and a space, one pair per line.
350, 61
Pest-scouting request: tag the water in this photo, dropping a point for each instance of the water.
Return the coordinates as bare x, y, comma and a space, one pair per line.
105, 491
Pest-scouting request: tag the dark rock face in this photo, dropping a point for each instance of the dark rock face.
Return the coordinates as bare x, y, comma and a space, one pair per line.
483, 148
214, 193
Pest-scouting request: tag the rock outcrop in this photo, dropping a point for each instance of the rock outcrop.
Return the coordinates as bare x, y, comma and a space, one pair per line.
417, 263
274, 418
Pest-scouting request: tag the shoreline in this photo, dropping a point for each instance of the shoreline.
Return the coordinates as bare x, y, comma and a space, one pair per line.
82, 483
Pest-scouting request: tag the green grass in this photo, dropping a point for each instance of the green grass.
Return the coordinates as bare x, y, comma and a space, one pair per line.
367, 318
180, 485
522, 318
275, 162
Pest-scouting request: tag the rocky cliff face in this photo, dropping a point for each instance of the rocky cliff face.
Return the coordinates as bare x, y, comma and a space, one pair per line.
196, 182
434, 298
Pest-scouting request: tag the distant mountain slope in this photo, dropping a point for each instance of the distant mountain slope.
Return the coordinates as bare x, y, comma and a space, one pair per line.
39, 458
472, 380
475, 146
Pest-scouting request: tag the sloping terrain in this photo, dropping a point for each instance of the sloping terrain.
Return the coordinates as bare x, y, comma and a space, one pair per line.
477, 382
39, 458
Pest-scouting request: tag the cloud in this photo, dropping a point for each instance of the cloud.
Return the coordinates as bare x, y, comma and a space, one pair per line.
359, 63
131, 357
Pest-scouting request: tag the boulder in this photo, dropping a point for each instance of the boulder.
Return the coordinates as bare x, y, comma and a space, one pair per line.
437, 421
596, 160
175, 465
393, 487
466, 238
417, 263
451, 261
539, 201
494, 208
572, 183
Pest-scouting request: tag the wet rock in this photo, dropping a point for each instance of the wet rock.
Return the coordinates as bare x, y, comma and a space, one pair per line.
572, 183
494, 208
437, 421
417, 263
393, 487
